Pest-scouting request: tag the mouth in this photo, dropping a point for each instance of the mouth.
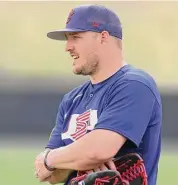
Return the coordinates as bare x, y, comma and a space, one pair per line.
75, 57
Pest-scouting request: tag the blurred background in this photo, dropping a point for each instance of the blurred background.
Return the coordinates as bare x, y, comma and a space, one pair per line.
35, 73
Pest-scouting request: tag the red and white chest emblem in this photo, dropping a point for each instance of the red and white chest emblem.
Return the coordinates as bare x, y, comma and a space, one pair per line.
79, 124
82, 123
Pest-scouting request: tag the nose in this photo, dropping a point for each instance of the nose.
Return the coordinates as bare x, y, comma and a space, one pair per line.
69, 46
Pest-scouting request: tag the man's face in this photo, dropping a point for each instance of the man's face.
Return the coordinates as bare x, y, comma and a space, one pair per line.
83, 47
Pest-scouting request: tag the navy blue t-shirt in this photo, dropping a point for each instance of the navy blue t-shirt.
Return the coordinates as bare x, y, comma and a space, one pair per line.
128, 103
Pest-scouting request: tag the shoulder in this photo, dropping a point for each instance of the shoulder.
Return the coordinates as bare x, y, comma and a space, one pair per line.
136, 79
139, 75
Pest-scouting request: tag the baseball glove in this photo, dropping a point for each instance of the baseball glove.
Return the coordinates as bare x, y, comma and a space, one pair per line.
130, 171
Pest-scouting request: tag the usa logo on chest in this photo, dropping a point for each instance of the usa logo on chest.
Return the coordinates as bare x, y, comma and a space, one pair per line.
79, 124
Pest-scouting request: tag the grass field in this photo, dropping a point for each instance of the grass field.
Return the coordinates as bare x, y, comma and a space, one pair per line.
150, 42
17, 167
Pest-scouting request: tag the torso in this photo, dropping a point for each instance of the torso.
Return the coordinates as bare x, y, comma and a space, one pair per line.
83, 107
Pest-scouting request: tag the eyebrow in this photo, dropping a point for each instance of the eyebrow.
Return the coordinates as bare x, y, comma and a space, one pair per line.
71, 33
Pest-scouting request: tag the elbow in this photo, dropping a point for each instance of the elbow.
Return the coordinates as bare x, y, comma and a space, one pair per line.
93, 159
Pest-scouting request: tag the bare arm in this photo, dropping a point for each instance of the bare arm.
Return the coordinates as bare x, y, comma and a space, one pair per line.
90, 151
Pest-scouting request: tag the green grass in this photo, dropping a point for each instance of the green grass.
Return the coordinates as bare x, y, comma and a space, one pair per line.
17, 167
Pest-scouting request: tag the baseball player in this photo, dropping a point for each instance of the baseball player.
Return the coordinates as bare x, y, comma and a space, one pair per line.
116, 112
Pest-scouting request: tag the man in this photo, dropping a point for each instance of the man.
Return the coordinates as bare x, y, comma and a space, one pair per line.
116, 112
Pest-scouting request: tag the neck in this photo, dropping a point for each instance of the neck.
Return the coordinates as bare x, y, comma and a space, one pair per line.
107, 71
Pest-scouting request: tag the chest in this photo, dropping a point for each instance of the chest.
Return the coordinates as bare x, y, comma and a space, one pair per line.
82, 114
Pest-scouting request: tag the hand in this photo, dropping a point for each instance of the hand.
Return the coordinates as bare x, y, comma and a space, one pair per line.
40, 170
106, 166
37, 165
58, 176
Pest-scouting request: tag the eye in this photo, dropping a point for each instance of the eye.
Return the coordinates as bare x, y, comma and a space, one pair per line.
75, 37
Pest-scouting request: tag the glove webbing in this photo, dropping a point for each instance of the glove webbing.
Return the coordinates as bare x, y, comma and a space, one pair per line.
134, 171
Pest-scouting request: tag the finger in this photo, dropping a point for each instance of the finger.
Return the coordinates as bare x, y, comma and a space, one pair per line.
111, 165
43, 174
36, 172
89, 171
96, 170
103, 167
42, 178
36, 175
48, 179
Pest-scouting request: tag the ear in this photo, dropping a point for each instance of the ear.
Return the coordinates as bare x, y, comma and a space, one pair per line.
104, 37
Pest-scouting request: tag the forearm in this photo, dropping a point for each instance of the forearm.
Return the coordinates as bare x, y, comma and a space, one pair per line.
72, 157
89, 152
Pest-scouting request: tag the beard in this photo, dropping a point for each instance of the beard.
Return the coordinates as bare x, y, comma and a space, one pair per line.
90, 67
